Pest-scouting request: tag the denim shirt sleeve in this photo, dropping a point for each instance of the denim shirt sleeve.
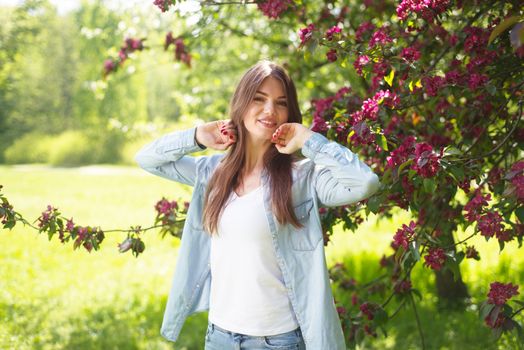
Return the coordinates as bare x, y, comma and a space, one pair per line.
166, 156
340, 177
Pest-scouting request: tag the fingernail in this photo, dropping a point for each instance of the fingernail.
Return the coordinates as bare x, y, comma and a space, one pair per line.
224, 132
231, 137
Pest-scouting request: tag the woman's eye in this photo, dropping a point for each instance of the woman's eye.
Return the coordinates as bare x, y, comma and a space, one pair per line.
283, 103
259, 99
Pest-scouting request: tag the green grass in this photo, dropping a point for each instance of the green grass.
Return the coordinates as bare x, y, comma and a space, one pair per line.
52, 297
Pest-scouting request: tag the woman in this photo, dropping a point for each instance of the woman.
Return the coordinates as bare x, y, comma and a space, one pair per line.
251, 249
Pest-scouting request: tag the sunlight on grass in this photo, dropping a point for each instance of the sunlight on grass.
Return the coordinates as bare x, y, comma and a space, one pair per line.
53, 297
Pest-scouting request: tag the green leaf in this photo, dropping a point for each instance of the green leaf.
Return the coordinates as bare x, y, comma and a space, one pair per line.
413, 248
417, 293
485, 309
382, 142
403, 165
389, 77
380, 317
505, 24
520, 213
429, 185
374, 203
454, 268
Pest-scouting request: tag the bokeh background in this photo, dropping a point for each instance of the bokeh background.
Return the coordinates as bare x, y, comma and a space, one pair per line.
68, 136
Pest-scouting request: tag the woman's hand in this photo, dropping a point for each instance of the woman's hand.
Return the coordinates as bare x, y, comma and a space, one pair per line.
217, 135
290, 137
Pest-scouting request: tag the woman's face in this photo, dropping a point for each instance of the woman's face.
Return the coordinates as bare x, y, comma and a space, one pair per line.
267, 111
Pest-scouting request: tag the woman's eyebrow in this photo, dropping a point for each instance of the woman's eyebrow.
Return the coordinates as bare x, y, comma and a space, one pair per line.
263, 93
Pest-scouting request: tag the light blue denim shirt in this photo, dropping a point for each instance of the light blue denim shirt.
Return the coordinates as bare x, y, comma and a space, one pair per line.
330, 175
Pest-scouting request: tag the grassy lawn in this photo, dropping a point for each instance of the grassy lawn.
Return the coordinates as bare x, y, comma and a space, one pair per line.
52, 297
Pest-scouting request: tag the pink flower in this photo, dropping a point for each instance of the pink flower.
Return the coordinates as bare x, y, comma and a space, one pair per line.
410, 54
331, 32
332, 55
163, 5
453, 77
306, 33
426, 8
109, 66
490, 224
433, 85
402, 287
370, 109
426, 163
360, 62
499, 293
379, 37
402, 153
70, 225
387, 98
474, 206
169, 40
403, 236
273, 8
435, 258
477, 80
367, 309
362, 29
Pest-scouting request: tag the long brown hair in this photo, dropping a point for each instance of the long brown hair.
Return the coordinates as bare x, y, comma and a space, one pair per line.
228, 174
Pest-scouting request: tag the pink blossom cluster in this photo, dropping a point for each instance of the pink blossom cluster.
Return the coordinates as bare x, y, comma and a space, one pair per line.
166, 207
360, 62
181, 52
433, 85
163, 5
490, 224
402, 286
130, 45
368, 310
426, 8
363, 28
323, 107
403, 236
410, 54
48, 216
402, 153
499, 293
273, 8
362, 134
331, 32
475, 206
427, 162
516, 178
331, 55
380, 37
306, 33
435, 258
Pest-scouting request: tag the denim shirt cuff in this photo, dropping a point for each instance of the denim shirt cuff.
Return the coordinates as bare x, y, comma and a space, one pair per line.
313, 145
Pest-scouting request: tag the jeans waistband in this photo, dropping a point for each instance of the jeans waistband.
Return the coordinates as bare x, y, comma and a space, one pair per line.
213, 326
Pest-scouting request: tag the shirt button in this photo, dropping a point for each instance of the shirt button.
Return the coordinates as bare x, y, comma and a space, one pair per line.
198, 285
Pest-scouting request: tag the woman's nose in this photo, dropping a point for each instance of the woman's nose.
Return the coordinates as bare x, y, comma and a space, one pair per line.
269, 108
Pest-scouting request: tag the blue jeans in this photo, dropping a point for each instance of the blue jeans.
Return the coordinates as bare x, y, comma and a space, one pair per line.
221, 339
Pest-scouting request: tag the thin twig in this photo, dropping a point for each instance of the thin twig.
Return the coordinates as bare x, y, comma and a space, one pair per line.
419, 325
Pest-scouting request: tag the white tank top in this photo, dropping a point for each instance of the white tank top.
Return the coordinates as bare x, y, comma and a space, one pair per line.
248, 294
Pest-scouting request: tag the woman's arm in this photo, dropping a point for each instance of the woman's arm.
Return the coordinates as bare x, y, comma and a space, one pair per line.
166, 156
340, 177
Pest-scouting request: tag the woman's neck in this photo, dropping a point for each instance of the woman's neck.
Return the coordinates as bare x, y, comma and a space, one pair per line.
254, 156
